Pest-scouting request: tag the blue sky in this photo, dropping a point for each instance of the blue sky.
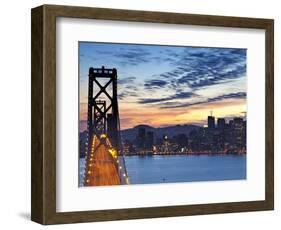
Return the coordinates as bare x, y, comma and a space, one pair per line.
167, 85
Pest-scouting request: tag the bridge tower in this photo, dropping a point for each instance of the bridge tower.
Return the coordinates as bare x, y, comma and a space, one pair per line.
103, 114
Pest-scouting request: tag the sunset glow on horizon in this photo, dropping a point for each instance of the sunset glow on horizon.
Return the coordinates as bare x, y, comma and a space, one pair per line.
168, 85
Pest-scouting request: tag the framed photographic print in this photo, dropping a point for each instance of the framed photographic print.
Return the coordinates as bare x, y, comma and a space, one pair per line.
128, 104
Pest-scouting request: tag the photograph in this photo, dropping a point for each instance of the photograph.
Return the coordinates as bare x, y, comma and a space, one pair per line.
151, 114
126, 104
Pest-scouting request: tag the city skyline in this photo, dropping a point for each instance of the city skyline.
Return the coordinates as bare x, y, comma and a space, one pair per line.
167, 85
216, 138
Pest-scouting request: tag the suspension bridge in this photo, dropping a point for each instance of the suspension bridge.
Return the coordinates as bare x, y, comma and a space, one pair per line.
105, 164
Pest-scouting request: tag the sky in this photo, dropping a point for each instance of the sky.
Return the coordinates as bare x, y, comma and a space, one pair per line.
168, 85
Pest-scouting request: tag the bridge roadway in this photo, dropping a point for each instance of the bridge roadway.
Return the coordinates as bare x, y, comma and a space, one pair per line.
102, 166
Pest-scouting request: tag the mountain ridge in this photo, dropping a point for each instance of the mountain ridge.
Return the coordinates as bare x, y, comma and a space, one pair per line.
170, 131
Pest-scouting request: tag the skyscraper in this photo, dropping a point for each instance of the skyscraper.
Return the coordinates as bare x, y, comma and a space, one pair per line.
239, 132
221, 123
211, 122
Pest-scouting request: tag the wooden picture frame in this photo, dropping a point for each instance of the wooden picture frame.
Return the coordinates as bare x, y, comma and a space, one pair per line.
43, 189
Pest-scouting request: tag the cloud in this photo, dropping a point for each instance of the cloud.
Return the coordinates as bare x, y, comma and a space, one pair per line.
127, 87
203, 67
122, 54
196, 69
126, 80
188, 70
228, 96
132, 56
181, 95
127, 93
238, 95
155, 83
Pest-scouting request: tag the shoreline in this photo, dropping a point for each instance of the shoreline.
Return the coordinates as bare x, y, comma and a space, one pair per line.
184, 154
187, 154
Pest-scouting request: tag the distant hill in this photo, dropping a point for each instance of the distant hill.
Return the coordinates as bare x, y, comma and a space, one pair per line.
170, 131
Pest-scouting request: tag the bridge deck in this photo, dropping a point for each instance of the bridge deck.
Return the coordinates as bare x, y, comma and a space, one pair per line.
101, 168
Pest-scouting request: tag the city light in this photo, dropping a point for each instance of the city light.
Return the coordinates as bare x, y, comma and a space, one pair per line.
217, 136
113, 152
103, 135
